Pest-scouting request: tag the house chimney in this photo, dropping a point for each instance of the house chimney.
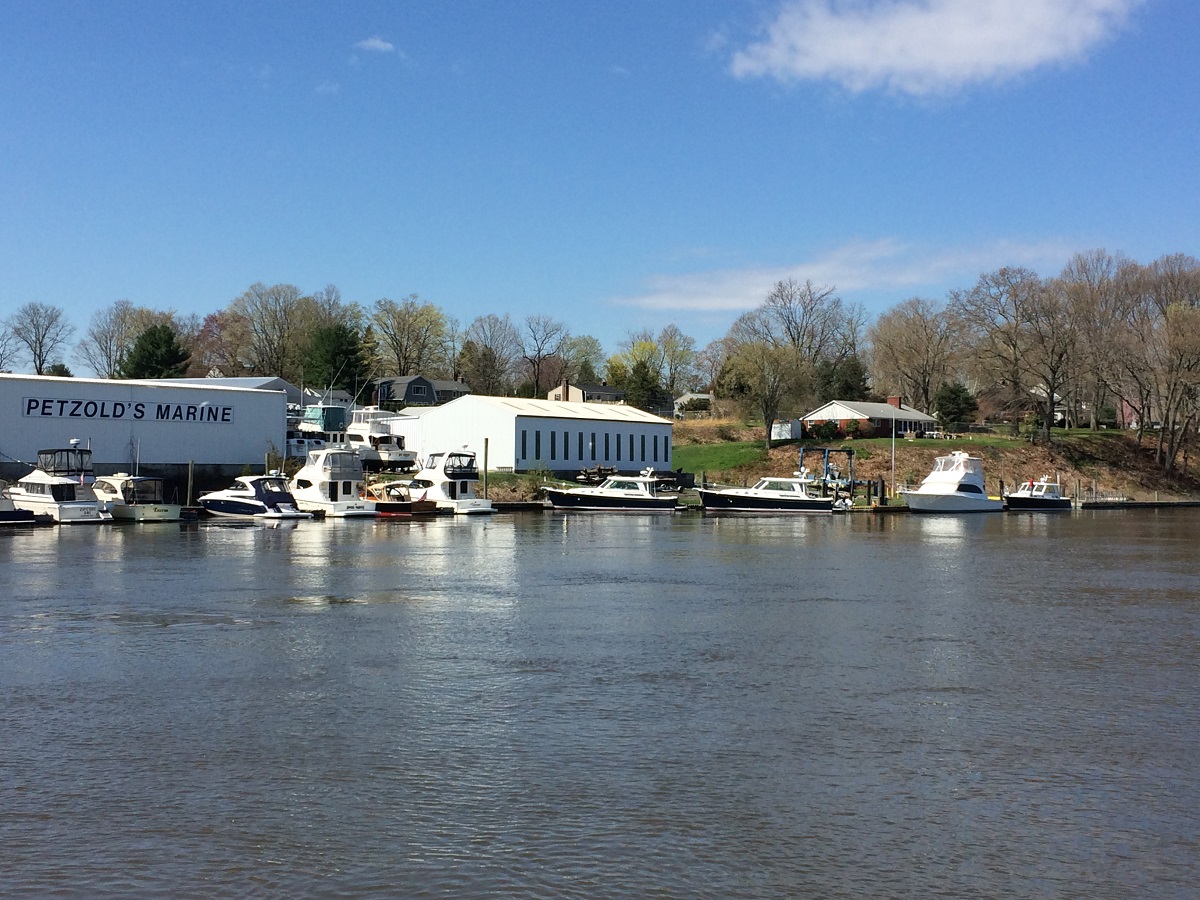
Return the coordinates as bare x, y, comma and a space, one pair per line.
897, 402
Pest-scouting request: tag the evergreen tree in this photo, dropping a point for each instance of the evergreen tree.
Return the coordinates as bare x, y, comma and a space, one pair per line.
156, 353
954, 403
335, 359
60, 369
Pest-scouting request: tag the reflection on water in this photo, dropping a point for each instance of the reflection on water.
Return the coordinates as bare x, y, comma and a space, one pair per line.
589, 705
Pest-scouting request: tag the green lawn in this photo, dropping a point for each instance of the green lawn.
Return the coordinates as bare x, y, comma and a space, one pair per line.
697, 458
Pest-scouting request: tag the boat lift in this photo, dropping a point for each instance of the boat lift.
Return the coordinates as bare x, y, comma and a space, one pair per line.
831, 476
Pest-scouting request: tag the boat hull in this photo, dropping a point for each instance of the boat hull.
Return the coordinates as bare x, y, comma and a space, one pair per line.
406, 509
77, 512
578, 500
146, 512
241, 509
732, 501
1038, 504
951, 503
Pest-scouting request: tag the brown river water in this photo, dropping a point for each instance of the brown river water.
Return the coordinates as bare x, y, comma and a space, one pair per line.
604, 706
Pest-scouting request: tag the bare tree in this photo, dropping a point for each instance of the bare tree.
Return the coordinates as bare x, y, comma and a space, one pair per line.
10, 348
275, 338
43, 330
763, 377
710, 361
678, 352
913, 350
542, 339
411, 335
582, 358
491, 348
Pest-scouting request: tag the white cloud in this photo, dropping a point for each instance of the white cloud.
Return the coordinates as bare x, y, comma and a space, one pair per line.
327, 88
924, 47
376, 44
884, 268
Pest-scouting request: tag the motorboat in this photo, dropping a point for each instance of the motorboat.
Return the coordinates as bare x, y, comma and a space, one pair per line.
264, 497
617, 493
1043, 495
138, 498
769, 494
60, 487
449, 480
330, 483
9, 514
954, 486
393, 499
378, 447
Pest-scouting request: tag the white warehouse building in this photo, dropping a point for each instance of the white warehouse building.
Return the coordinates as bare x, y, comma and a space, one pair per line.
157, 426
531, 435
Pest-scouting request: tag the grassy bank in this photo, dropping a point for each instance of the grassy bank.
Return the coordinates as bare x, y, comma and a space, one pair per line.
1114, 462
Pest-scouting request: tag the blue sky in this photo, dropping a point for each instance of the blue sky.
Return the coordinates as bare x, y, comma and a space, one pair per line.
617, 165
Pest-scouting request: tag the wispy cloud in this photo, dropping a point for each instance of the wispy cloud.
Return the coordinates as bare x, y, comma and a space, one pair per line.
327, 88
883, 268
926, 47
375, 44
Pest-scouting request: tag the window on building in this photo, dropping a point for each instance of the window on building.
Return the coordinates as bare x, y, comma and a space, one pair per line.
524, 444
643, 448
417, 390
581, 446
566, 446
553, 441
656, 448
606, 437
618, 448
537, 445
631, 448
667, 449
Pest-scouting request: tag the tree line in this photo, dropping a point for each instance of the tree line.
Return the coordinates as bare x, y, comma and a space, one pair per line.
1108, 339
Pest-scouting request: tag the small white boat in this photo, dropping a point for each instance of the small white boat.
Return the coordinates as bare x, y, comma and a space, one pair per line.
954, 486
139, 498
330, 483
449, 480
9, 514
393, 499
262, 497
768, 495
1038, 496
617, 493
60, 487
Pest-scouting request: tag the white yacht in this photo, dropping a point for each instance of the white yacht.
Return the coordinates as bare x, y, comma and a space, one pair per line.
617, 493
139, 498
264, 497
330, 483
954, 486
449, 480
369, 434
60, 487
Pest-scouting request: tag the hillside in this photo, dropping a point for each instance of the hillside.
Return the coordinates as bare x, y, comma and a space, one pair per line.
1112, 461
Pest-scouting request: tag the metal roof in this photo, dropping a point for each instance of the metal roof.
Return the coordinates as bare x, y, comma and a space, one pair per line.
563, 409
864, 410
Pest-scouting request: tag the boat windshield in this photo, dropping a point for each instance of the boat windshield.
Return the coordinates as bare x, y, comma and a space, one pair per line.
776, 484
72, 461
273, 485
626, 484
